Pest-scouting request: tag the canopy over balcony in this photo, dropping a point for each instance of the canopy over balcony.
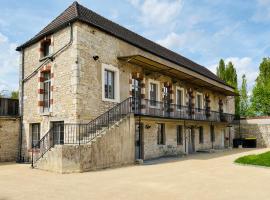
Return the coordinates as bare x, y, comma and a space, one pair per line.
179, 73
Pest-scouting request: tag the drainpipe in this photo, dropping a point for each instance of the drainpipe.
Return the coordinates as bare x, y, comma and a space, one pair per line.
19, 159
185, 136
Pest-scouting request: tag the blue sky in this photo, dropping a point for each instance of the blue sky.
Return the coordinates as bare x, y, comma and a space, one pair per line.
204, 31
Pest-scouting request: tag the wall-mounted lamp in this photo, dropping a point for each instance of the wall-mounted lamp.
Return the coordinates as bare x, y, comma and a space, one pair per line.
147, 126
95, 58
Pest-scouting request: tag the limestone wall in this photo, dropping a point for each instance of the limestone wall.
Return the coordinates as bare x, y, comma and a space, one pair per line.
9, 138
64, 80
114, 148
255, 127
153, 150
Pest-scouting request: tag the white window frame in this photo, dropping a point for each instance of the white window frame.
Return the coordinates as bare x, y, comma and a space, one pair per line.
116, 82
199, 94
183, 96
158, 91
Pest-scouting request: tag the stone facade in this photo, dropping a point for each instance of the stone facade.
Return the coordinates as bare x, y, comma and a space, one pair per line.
113, 148
9, 138
76, 95
171, 148
258, 128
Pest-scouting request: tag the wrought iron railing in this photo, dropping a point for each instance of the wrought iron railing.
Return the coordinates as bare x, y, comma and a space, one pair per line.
84, 133
79, 133
174, 111
9, 107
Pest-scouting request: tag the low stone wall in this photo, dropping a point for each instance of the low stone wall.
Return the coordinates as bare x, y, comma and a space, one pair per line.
9, 138
114, 148
255, 127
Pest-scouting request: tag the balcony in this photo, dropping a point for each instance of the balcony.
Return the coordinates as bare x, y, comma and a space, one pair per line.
150, 108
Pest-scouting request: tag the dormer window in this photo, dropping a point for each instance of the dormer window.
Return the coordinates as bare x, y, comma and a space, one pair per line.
45, 48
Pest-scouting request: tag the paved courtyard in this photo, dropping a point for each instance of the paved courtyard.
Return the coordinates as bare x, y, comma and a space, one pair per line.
200, 176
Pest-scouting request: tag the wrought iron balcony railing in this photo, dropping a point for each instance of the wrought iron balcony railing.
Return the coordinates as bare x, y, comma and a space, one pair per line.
152, 108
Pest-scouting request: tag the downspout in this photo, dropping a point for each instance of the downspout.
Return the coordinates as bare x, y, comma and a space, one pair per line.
19, 159
23, 80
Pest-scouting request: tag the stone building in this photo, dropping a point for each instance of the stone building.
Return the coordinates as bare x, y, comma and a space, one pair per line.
95, 94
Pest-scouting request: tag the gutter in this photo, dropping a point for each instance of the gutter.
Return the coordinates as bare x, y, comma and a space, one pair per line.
23, 80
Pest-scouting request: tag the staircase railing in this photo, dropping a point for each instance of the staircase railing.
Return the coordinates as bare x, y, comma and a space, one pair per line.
80, 133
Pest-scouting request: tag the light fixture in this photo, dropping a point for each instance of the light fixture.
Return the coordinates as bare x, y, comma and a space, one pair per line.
96, 57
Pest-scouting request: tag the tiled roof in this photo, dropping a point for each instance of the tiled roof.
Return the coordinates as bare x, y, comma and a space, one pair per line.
77, 12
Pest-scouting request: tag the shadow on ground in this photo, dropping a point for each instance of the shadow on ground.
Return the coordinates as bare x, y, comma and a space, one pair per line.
198, 156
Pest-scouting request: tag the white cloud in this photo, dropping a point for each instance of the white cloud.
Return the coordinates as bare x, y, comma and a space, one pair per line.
243, 65
9, 62
157, 12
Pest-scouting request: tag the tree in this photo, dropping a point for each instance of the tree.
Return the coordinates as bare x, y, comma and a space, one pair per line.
15, 95
260, 101
228, 74
221, 69
243, 97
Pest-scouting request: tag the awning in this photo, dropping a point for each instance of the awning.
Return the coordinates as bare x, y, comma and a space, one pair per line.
178, 73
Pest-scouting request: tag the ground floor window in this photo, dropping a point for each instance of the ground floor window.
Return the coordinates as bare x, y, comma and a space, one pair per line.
161, 134
179, 134
212, 129
35, 134
201, 135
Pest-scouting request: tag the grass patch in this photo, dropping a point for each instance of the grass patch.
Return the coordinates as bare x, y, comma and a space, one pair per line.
262, 159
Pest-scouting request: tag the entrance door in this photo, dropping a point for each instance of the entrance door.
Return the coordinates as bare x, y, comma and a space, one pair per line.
136, 95
138, 141
191, 143
167, 101
58, 132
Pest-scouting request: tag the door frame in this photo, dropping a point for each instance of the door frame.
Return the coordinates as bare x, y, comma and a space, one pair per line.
139, 129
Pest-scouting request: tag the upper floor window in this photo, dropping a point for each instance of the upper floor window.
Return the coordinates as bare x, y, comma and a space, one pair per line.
161, 134
153, 92
47, 91
199, 101
179, 97
45, 46
110, 83
35, 134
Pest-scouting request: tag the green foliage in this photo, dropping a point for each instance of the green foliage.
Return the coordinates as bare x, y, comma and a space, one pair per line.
259, 159
244, 97
228, 74
15, 95
221, 69
260, 101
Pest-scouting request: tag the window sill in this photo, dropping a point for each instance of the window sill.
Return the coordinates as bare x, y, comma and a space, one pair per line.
45, 114
111, 100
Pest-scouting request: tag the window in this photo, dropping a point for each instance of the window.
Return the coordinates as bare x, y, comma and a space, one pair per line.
46, 48
179, 134
35, 135
47, 91
201, 135
109, 84
161, 134
179, 98
58, 132
153, 94
212, 130
199, 101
